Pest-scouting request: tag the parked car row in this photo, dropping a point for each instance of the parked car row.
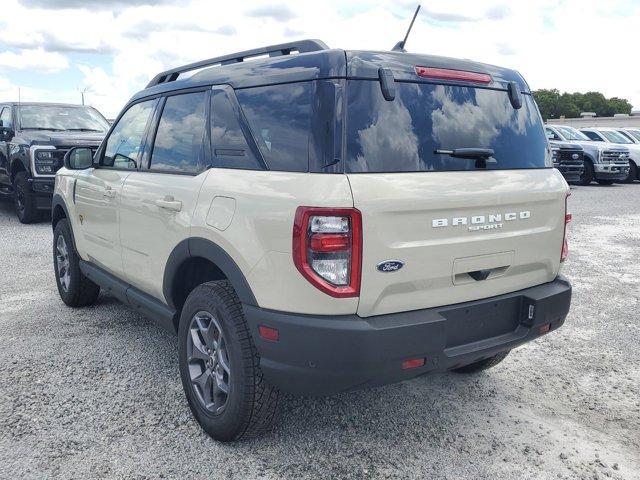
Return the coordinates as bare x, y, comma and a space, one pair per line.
34, 138
602, 154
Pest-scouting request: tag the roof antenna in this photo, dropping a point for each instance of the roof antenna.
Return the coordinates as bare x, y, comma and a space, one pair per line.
399, 47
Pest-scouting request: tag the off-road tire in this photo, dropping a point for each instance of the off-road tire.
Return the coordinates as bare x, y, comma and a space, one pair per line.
483, 364
251, 403
633, 173
80, 291
587, 176
23, 199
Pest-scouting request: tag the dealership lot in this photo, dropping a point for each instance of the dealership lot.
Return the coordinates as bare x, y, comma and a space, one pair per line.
96, 391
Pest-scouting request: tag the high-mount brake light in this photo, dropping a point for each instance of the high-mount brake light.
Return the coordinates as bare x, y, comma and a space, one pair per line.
564, 254
327, 249
449, 74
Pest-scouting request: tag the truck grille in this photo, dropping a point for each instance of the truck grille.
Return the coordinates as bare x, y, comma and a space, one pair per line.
567, 156
615, 157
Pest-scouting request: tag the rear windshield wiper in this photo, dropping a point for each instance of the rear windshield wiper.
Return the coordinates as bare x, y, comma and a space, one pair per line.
482, 156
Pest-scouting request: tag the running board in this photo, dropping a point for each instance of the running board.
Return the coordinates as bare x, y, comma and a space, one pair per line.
149, 306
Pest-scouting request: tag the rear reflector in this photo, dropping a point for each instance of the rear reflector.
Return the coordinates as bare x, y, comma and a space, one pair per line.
544, 328
413, 363
269, 333
457, 75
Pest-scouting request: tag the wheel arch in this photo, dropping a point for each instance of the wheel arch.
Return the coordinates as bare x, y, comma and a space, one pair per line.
16, 166
58, 210
211, 263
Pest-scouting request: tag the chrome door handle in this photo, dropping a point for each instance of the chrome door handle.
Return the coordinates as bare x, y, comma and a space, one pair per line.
109, 192
169, 203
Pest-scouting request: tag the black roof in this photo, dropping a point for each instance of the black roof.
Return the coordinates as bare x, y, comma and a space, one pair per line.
314, 60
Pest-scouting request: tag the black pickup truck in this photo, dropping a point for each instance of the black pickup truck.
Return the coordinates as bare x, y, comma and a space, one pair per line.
569, 159
33, 140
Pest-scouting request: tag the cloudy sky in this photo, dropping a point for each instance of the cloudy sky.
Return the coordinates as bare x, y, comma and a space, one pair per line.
52, 49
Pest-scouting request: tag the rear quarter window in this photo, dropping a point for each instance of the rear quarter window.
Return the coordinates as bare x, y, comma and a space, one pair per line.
403, 135
279, 116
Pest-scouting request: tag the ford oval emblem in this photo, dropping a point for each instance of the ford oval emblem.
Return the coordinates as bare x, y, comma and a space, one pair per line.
390, 266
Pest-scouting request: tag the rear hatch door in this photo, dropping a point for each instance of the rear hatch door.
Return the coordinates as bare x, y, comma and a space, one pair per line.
439, 229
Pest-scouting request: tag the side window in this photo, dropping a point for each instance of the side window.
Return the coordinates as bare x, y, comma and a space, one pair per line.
592, 135
124, 145
229, 145
178, 146
551, 135
280, 117
5, 116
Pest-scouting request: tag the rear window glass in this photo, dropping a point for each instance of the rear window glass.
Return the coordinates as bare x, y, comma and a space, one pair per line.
403, 135
279, 116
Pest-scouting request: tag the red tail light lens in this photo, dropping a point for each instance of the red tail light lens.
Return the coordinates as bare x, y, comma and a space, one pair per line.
413, 363
327, 248
456, 75
567, 218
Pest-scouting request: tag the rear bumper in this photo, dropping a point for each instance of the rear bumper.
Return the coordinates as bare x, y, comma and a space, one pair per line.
319, 355
42, 190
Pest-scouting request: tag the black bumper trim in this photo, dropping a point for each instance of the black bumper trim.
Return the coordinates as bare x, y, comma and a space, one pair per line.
319, 355
42, 189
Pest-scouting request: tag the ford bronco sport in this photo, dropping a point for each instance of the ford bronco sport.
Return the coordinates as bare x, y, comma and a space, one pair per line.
34, 138
318, 220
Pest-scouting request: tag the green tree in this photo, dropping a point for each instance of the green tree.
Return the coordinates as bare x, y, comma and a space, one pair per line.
552, 104
619, 105
547, 101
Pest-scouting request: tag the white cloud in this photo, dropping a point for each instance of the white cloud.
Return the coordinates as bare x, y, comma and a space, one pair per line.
34, 59
550, 43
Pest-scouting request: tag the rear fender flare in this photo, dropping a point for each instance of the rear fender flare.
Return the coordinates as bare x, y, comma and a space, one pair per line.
202, 248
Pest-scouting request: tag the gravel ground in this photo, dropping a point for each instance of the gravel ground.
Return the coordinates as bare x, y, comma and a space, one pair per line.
95, 392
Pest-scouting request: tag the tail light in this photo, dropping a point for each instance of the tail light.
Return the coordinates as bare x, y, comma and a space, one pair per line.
449, 74
567, 218
327, 249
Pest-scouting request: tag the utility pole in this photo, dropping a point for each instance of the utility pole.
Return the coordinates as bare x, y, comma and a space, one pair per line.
82, 92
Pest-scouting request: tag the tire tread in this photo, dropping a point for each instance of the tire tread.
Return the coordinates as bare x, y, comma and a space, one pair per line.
261, 397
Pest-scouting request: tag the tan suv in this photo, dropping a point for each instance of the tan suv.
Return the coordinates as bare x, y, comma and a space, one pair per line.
319, 220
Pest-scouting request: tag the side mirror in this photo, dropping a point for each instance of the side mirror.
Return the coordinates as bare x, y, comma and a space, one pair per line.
78, 158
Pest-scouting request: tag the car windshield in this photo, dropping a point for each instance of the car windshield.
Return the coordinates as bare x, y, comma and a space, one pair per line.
61, 117
634, 133
570, 133
614, 137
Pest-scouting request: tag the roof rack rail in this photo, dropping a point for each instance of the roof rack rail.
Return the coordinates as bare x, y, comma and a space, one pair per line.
302, 46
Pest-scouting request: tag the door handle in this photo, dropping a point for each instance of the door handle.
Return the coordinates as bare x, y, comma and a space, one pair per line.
169, 203
109, 192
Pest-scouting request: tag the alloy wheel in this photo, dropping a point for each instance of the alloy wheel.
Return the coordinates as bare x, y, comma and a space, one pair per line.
62, 263
208, 362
